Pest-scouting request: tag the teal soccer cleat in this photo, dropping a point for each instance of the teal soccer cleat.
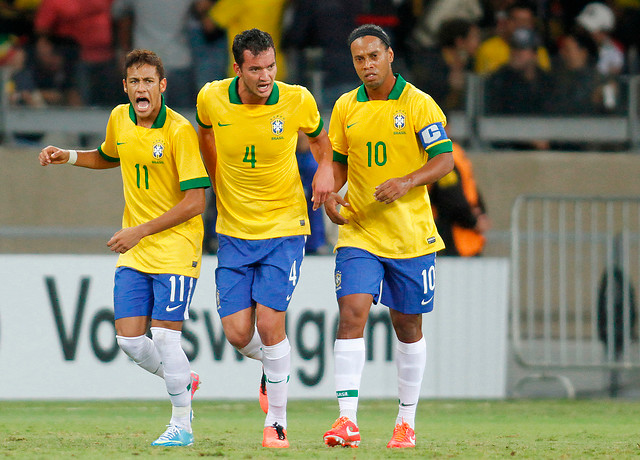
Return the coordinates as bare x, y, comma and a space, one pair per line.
174, 436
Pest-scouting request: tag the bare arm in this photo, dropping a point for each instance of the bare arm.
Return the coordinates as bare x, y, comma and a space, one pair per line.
323, 180
190, 206
207, 141
433, 170
340, 171
87, 159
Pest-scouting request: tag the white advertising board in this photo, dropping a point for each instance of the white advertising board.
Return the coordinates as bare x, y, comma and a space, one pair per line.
57, 339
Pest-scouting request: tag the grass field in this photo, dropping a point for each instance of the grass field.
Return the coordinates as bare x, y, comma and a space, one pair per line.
445, 429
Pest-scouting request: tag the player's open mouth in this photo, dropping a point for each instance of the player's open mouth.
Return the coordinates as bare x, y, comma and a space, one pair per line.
142, 103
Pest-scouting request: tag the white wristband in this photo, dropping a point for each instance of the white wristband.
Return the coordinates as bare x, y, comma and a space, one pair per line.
73, 157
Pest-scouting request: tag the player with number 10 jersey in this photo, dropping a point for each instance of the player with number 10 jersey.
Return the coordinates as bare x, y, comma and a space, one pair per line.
375, 155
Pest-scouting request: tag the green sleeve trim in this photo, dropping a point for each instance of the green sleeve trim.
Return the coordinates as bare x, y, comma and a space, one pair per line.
442, 147
198, 182
200, 123
317, 131
340, 158
107, 157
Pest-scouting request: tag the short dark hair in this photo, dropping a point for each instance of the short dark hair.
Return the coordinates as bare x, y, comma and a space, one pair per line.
521, 5
254, 40
453, 29
140, 57
369, 29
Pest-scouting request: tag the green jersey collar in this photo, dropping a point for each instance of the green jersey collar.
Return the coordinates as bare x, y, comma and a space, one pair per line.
234, 97
395, 93
160, 119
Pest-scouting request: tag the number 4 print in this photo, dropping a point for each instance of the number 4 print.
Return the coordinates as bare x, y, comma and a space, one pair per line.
250, 155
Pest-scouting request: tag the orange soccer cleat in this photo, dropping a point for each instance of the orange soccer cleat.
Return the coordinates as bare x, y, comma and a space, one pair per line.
343, 433
403, 436
274, 436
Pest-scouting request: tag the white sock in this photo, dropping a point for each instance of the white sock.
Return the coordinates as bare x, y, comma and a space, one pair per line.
177, 374
348, 366
277, 367
253, 349
143, 352
411, 359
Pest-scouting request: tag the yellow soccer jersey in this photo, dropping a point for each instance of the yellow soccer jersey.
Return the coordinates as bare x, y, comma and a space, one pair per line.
380, 140
158, 164
258, 190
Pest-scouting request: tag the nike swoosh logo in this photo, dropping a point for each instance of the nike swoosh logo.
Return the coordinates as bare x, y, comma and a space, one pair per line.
424, 302
173, 308
352, 433
288, 298
349, 126
120, 143
224, 124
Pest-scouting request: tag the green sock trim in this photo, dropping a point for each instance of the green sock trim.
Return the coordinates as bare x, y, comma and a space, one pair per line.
279, 381
347, 394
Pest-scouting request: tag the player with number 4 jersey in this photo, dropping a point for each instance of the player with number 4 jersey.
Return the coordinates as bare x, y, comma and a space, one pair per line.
389, 142
248, 131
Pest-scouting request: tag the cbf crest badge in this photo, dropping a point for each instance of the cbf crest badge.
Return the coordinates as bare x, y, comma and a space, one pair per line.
399, 120
338, 280
158, 151
277, 127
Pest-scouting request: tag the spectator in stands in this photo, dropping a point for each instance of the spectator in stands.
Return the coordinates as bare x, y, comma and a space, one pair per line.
161, 26
19, 86
209, 43
494, 51
521, 86
236, 16
575, 87
441, 72
459, 210
435, 14
324, 25
598, 20
81, 32
627, 14
55, 70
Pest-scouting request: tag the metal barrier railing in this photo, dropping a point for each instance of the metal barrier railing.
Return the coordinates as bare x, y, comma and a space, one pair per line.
472, 125
575, 265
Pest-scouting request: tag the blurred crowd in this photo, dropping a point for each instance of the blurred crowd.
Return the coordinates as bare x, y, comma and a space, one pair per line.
544, 56
548, 57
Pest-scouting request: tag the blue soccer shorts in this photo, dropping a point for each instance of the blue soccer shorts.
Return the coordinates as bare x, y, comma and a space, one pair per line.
163, 297
257, 271
406, 285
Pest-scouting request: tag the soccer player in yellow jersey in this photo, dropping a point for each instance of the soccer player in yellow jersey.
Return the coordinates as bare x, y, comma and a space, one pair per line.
160, 244
248, 134
389, 142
